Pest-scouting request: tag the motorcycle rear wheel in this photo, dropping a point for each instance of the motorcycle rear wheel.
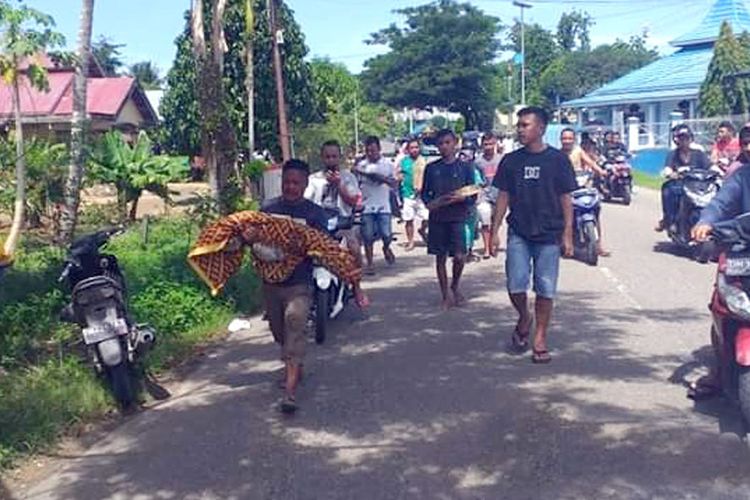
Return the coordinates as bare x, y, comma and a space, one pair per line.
322, 299
121, 384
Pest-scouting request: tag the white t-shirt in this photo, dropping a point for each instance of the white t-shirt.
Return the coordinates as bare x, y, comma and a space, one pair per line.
376, 197
320, 192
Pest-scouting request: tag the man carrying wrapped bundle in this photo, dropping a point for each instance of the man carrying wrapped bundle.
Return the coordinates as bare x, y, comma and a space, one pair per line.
284, 238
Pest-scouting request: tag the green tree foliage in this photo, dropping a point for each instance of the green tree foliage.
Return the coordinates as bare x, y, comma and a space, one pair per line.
45, 168
338, 97
133, 169
442, 56
108, 55
722, 93
573, 74
541, 49
573, 31
147, 75
179, 107
25, 33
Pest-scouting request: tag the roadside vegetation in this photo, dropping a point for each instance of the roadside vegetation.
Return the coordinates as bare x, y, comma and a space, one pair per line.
45, 385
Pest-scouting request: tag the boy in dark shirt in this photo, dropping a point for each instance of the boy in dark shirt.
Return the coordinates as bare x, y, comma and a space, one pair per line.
449, 211
535, 182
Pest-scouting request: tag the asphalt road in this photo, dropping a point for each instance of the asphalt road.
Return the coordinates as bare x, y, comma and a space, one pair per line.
414, 403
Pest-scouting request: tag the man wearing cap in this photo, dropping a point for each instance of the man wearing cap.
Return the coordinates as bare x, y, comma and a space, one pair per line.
683, 156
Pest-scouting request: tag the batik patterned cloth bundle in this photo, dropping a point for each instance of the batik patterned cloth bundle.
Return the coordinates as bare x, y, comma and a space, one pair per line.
215, 263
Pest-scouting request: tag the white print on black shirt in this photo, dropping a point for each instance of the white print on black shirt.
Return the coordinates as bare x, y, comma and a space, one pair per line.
531, 172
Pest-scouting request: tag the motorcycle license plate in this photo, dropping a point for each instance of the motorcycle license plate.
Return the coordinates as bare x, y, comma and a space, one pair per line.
738, 266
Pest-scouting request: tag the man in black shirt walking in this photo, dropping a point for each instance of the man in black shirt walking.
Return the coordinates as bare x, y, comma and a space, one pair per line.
449, 211
535, 182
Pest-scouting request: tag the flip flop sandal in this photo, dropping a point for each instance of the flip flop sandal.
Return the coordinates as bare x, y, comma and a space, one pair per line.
701, 390
520, 341
288, 405
540, 357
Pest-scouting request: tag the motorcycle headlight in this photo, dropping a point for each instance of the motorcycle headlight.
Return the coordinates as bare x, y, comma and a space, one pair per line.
735, 298
702, 198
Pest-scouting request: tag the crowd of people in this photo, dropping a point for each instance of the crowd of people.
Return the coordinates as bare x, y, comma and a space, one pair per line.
462, 197
447, 203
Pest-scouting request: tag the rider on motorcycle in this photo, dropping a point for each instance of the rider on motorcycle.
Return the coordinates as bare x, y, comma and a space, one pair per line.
582, 162
683, 156
727, 147
336, 190
614, 146
732, 200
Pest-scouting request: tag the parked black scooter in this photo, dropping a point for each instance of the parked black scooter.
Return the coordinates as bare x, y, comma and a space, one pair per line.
99, 306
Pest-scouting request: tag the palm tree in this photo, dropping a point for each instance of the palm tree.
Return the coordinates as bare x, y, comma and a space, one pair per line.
69, 215
26, 33
147, 75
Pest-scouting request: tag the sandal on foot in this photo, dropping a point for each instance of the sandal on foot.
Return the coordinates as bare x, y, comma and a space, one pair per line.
540, 357
519, 341
288, 405
703, 389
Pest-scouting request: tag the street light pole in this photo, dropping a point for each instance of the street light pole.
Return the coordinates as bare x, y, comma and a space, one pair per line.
523, 6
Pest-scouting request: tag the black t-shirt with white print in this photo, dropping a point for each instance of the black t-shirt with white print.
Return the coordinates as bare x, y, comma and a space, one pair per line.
534, 183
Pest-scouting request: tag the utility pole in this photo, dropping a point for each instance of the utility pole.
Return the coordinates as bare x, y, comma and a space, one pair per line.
276, 39
523, 7
356, 121
250, 78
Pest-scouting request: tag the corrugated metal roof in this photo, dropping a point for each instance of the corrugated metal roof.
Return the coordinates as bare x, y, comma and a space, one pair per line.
104, 97
733, 11
678, 76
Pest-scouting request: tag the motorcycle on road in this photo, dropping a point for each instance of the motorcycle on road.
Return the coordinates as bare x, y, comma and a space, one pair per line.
618, 184
586, 206
98, 305
730, 308
699, 187
330, 293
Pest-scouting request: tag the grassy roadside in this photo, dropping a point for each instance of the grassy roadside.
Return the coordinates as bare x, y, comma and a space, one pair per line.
45, 384
647, 180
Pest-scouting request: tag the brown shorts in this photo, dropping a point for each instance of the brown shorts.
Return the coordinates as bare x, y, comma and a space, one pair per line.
288, 308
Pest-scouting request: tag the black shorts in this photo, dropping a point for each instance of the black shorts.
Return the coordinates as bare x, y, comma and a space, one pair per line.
446, 238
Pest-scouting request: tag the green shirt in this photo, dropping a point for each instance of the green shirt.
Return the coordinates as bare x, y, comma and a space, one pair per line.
407, 183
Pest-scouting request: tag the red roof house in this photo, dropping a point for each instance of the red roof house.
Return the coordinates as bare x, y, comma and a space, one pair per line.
111, 102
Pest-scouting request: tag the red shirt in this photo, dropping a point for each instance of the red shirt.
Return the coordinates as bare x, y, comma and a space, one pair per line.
729, 149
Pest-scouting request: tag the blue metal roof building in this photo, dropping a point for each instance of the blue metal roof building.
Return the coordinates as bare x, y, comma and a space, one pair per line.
670, 83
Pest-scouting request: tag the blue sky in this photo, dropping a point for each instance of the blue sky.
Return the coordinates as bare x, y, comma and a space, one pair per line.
338, 28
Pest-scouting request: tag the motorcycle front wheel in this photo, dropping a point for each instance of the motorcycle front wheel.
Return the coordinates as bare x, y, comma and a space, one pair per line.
322, 301
626, 196
591, 238
743, 394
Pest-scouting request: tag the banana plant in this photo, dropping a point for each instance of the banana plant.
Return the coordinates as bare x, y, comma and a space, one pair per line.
133, 169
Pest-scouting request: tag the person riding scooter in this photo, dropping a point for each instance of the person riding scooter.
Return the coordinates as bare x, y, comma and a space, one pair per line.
683, 156
731, 201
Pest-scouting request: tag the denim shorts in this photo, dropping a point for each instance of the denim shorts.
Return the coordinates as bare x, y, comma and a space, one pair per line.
376, 226
525, 257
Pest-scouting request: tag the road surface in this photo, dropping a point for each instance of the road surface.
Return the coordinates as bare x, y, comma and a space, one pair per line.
414, 403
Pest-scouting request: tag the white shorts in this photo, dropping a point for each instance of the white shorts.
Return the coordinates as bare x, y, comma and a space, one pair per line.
485, 209
414, 209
